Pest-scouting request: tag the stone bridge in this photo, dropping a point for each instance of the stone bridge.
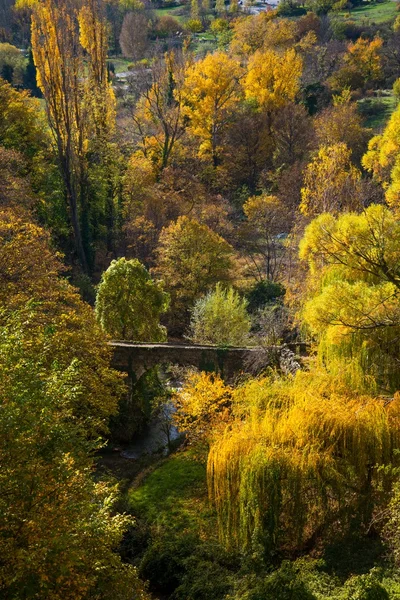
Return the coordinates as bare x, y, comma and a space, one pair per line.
137, 358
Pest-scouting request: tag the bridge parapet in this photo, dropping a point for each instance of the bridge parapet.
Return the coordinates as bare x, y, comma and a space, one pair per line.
137, 358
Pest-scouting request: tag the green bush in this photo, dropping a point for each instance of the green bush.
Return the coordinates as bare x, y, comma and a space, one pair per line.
194, 25
364, 587
264, 292
163, 563
220, 318
283, 584
206, 577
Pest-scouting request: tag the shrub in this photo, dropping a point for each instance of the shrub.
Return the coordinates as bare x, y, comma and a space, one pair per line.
194, 25
162, 563
220, 318
364, 587
285, 584
264, 292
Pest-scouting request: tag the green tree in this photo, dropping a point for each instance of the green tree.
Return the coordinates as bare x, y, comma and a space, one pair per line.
57, 393
192, 259
129, 303
30, 273
12, 63
220, 318
353, 305
58, 532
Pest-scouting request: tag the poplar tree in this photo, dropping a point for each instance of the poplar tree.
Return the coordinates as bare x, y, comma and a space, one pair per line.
69, 46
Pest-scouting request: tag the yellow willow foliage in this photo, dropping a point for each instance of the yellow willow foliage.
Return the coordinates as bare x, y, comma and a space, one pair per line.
202, 405
273, 79
331, 182
353, 288
301, 454
383, 159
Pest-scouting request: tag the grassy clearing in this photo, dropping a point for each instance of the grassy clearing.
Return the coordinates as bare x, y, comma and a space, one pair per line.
174, 494
175, 12
375, 12
377, 111
120, 64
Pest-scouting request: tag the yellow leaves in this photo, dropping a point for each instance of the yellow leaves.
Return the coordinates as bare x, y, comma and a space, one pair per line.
250, 32
210, 94
262, 208
363, 55
289, 455
354, 300
383, 159
273, 79
202, 406
331, 182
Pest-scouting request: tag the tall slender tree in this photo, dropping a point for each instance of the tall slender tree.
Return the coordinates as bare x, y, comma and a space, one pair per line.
69, 45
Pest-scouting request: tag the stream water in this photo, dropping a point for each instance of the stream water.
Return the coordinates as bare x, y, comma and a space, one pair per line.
154, 438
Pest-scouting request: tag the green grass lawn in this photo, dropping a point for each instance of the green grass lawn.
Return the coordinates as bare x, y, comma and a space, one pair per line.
174, 494
382, 107
171, 12
375, 12
120, 64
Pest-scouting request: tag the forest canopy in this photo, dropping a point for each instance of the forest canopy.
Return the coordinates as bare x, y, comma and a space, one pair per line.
219, 181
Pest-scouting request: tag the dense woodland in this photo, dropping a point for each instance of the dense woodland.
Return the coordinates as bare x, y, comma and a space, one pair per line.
212, 173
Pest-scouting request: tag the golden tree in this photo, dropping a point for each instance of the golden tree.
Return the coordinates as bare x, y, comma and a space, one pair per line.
353, 306
364, 56
210, 95
191, 260
79, 99
383, 159
298, 459
272, 79
331, 182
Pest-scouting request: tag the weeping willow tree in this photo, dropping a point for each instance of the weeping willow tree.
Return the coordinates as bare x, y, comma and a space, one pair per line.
353, 306
301, 456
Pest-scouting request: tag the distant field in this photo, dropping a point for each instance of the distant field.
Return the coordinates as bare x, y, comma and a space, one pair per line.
171, 12
375, 12
120, 64
382, 107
